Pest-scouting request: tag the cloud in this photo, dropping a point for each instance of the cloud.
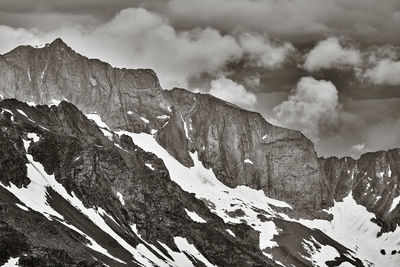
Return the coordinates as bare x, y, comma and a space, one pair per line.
137, 38
329, 53
312, 108
232, 92
358, 147
277, 18
386, 71
296, 19
263, 52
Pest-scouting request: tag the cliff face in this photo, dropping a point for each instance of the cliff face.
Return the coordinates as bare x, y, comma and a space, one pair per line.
243, 149
74, 192
373, 181
129, 189
240, 146
57, 72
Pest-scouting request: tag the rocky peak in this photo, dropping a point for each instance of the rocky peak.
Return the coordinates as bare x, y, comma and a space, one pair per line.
240, 146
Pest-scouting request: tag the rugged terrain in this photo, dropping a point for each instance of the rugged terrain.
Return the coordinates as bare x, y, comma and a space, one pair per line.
173, 177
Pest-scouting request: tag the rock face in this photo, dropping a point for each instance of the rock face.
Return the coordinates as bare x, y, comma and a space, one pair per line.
240, 146
243, 149
284, 165
88, 170
373, 181
97, 171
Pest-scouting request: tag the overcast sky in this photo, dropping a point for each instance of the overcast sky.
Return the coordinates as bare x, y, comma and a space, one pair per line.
330, 68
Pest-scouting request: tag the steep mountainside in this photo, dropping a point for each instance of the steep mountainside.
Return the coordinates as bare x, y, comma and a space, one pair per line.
286, 166
118, 185
123, 185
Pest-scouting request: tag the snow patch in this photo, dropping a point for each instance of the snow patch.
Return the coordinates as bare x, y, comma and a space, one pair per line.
97, 119
319, 253
223, 200
150, 166
121, 198
190, 249
195, 217
34, 137
352, 227
9, 111
21, 207
163, 117
22, 113
34, 196
185, 128
29, 75
395, 202
248, 161
55, 102
144, 120
43, 72
12, 262
103, 127
230, 232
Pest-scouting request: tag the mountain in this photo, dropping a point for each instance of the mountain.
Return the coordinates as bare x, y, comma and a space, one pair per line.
173, 178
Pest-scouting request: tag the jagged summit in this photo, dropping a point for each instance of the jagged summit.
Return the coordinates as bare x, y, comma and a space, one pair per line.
261, 177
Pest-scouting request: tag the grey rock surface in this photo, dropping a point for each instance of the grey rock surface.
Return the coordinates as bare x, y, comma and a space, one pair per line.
240, 146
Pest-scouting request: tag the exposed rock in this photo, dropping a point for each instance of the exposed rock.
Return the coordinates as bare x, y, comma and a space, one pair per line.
94, 169
240, 146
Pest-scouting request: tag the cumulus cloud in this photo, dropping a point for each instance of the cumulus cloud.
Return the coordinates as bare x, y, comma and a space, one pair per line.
232, 92
330, 53
280, 18
300, 19
386, 71
137, 38
263, 52
312, 107
358, 147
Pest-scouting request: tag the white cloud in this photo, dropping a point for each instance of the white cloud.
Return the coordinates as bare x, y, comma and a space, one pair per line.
358, 147
329, 53
303, 19
137, 38
10, 38
312, 107
386, 71
263, 52
232, 92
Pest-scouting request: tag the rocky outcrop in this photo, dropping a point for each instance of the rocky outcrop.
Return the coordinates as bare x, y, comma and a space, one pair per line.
56, 72
243, 149
373, 180
96, 170
284, 163
240, 146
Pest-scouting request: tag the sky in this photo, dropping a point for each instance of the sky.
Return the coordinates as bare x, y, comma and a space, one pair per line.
329, 68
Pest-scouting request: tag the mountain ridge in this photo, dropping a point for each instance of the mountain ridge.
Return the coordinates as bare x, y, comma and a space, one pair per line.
239, 147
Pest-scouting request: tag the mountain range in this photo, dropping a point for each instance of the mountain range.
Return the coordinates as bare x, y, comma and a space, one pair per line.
99, 166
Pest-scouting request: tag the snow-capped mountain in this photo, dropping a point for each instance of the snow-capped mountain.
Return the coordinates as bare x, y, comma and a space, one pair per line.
101, 166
